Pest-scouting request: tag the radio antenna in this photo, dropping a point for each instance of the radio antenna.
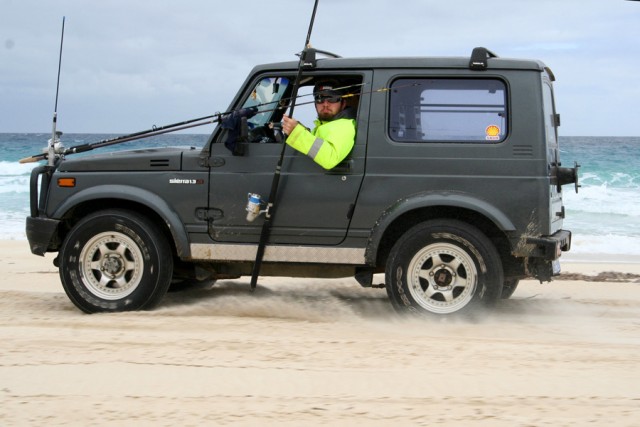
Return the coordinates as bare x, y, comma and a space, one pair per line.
54, 135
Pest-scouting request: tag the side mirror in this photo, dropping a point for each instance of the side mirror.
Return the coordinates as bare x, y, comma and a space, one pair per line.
244, 130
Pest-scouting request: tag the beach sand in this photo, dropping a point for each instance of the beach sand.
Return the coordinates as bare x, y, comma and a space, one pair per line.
319, 352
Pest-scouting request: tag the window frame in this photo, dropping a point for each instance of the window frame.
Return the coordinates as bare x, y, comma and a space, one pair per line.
504, 126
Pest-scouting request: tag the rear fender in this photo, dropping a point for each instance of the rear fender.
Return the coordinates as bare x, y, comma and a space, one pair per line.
432, 200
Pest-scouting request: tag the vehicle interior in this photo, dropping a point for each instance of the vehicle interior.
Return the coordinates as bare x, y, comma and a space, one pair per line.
258, 119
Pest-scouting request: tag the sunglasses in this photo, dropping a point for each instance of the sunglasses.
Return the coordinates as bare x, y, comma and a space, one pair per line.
322, 98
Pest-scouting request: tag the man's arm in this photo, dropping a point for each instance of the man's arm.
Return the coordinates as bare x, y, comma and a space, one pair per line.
328, 145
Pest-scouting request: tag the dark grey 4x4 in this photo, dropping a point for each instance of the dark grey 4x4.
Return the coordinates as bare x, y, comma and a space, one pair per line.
453, 189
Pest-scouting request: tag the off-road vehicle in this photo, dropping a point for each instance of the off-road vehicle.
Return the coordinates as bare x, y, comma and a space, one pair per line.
453, 189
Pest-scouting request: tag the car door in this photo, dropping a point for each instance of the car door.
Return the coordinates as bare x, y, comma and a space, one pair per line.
313, 206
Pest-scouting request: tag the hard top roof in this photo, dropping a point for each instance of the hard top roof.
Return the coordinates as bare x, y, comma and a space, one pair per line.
491, 62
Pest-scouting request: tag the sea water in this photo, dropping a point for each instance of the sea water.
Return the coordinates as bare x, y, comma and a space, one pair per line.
14, 176
604, 216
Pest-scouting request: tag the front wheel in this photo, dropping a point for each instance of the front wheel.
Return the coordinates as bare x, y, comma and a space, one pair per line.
443, 267
115, 260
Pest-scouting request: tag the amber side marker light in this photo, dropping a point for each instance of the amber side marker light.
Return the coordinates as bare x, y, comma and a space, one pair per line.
66, 182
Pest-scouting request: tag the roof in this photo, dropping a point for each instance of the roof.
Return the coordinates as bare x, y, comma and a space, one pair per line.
409, 62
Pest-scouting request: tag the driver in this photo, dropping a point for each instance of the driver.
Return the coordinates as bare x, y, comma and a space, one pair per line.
335, 129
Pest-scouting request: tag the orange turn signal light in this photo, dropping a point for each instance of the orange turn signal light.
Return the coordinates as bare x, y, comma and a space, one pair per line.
67, 182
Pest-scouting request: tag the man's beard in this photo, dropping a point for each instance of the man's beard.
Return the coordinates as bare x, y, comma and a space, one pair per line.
326, 116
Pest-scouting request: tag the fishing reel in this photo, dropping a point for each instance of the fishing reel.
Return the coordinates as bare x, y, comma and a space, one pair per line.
55, 143
277, 132
254, 205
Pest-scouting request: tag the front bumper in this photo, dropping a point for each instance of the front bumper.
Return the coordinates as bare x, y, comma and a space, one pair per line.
41, 233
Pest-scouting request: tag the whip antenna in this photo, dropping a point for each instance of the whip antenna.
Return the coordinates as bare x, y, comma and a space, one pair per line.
59, 65
54, 135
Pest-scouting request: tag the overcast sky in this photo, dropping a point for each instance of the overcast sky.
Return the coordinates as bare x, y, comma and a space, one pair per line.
131, 64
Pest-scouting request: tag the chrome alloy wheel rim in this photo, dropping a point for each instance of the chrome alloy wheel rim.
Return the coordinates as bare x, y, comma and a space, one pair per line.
111, 265
442, 278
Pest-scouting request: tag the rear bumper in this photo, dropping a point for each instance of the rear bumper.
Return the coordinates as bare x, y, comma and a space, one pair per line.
551, 247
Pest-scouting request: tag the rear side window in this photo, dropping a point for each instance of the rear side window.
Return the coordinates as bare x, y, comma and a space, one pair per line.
549, 113
448, 110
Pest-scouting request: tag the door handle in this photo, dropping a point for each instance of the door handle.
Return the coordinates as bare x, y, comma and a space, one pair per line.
345, 167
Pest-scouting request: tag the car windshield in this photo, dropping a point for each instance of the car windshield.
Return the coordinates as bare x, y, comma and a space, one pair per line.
266, 96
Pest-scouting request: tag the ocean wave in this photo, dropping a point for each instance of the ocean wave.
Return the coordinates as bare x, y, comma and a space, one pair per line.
588, 244
604, 199
610, 179
16, 169
13, 225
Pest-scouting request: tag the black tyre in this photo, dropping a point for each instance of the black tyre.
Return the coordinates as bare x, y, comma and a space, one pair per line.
443, 267
509, 287
115, 260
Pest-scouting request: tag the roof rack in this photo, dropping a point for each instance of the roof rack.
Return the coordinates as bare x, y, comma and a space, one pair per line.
310, 56
479, 58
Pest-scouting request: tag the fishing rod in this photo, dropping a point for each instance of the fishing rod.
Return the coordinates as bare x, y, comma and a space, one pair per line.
284, 101
119, 140
350, 95
124, 138
213, 118
55, 147
186, 124
270, 212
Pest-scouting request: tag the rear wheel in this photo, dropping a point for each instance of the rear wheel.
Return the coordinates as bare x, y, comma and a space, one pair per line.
115, 260
509, 287
443, 267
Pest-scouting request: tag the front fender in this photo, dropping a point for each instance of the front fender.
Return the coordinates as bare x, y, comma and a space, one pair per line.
432, 200
137, 195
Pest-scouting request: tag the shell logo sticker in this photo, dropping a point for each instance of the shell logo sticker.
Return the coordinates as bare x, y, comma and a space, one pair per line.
492, 132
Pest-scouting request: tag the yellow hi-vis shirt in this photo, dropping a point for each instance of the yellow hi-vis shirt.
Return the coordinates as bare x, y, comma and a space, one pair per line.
329, 142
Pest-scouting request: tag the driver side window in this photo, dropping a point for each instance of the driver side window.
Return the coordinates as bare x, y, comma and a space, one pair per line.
271, 98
